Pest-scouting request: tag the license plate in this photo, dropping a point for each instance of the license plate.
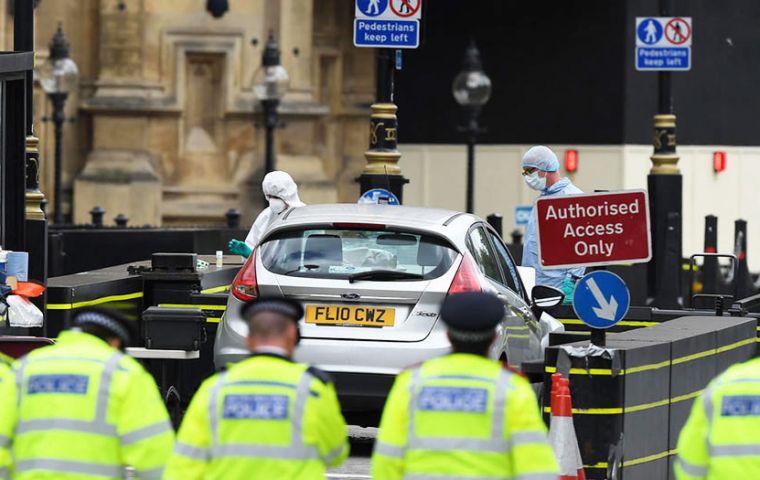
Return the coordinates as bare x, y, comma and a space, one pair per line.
350, 315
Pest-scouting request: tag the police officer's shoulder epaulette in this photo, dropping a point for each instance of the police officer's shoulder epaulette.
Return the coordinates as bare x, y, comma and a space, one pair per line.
322, 376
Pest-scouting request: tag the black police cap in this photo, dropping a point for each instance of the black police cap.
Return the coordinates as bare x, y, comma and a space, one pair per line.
289, 308
114, 322
472, 312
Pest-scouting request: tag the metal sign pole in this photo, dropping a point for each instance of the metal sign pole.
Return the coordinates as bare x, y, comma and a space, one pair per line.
598, 337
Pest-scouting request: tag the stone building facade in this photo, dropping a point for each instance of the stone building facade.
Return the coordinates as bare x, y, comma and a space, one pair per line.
165, 129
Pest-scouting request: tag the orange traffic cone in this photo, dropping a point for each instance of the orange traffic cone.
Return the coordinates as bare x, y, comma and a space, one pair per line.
556, 380
562, 432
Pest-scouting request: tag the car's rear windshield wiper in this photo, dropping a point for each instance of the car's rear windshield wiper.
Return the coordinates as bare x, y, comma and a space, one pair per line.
384, 275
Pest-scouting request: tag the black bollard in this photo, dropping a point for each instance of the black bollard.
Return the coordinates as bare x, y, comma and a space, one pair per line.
233, 218
516, 247
598, 337
517, 236
711, 277
668, 278
496, 221
121, 220
744, 285
97, 216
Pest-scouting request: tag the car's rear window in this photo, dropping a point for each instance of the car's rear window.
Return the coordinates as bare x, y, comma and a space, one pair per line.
339, 253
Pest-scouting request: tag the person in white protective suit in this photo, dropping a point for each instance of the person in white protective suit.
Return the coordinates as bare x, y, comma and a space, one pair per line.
282, 193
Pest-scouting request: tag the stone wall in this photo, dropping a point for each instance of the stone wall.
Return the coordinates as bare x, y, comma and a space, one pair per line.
165, 129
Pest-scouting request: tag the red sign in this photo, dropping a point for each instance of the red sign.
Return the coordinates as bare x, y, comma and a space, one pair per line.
405, 8
677, 31
594, 229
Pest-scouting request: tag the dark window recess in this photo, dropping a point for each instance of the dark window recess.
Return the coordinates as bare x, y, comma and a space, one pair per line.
507, 265
483, 253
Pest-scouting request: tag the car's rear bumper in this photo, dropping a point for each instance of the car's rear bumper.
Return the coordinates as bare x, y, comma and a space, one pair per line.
363, 371
362, 392
346, 356
362, 396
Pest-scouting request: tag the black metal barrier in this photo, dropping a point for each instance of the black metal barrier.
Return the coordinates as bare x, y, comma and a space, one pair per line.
637, 317
631, 399
112, 288
117, 288
132, 293
70, 248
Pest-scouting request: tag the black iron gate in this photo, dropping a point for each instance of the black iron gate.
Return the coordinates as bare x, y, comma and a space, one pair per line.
13, 84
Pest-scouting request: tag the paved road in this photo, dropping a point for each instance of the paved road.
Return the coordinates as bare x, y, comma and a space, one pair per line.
356, 467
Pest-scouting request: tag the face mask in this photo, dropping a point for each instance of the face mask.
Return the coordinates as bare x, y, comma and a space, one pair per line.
535, 182
277, 205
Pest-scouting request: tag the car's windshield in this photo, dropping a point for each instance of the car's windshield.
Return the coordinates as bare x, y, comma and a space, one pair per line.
342, 253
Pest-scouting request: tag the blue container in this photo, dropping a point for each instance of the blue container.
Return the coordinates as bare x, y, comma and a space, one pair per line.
17, 265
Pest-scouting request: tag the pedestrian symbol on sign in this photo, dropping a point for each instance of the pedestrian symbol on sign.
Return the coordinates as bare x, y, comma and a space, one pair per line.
649, 31
405, 8
677, 31
372, 8
663, 43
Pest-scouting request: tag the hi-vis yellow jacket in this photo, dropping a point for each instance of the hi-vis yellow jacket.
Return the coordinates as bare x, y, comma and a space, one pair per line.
462, 416
266, 417
87, 411
721, 438
7, 417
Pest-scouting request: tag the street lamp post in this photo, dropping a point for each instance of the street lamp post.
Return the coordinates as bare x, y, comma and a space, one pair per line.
58, 76
382, 170
665, 185
471, 89
269, 85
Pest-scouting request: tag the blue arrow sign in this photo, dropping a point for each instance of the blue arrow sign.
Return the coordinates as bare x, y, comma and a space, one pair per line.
601, 299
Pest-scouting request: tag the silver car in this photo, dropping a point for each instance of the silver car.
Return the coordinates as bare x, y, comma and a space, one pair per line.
372, 279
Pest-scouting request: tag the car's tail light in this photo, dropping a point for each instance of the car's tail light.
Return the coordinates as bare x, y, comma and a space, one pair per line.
245, 287
466, 278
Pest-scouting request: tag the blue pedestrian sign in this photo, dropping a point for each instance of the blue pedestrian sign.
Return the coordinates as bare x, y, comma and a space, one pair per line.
663, 43
522, 214
379, 196
649, 31
387, 23
601, 299
371, 8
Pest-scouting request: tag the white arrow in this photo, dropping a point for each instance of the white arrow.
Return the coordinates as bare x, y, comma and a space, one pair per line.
607, 310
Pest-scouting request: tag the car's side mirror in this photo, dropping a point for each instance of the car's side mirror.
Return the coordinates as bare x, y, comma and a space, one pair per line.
543, 297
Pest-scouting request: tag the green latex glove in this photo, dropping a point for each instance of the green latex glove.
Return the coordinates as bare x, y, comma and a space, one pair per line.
568, 287
239, 248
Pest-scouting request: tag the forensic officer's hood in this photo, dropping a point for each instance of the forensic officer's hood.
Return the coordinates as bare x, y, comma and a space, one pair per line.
281, 185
